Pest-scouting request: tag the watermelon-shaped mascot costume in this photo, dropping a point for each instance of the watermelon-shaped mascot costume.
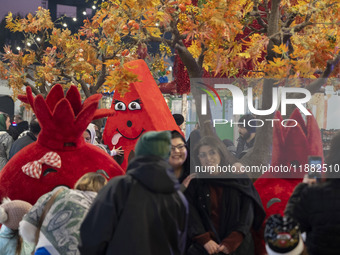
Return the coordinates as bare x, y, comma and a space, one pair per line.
141, 109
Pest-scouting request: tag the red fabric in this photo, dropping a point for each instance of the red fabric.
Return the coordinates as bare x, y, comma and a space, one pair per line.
181, 75
233, 241
63, 121
216, 195
125, 127
203, 239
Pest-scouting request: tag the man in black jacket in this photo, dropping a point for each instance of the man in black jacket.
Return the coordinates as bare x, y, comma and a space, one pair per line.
247, 133
142, 212
21, 126
27, 139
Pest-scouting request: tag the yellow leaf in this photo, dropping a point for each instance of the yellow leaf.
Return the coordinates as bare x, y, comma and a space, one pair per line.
154, 31
101, 44
245, 54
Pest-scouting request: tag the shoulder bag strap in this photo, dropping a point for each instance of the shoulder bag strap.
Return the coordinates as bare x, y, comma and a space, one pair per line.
45, 211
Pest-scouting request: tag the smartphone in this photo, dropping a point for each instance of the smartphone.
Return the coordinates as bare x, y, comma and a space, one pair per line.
315, 163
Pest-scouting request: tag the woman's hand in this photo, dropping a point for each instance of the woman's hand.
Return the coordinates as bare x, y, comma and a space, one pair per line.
187, 180
308, 180
239, 168
223, 249
211, 247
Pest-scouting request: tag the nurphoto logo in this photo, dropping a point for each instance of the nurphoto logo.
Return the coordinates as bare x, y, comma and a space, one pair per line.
239, 100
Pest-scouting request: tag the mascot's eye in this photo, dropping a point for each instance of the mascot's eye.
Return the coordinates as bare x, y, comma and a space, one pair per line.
134, 106
49, 170
120, 106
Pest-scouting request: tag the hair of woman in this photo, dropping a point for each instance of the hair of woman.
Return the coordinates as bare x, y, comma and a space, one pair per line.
186, 163
214, 143
176, 134
91, 182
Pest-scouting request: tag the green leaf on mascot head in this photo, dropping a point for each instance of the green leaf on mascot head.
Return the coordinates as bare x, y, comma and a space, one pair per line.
273, 201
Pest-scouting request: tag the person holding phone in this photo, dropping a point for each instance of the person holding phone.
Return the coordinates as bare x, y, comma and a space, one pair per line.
316, 207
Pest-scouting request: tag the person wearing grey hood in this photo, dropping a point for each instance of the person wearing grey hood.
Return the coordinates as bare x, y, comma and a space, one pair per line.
142, 212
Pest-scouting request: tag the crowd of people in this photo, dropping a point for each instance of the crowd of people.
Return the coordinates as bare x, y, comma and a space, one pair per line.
160, 207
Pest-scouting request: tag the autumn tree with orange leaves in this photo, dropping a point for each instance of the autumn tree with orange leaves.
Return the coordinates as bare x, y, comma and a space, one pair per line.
257, 39
262, 39
89, 59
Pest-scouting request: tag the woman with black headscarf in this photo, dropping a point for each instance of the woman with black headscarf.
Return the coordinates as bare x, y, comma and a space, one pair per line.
224, 208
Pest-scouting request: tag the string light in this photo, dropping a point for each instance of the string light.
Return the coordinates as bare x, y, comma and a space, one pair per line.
18, 48
38, 39
74, 19
84, 12
28, 44
64, 25
93, 7
157, 24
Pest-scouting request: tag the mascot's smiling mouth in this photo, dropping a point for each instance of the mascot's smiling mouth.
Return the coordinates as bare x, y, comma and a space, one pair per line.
129, 137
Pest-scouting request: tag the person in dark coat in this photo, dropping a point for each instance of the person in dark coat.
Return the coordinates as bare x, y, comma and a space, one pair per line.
21, 126
223, 211
247, 133
6, 140
142, 212
316, 207
29, 138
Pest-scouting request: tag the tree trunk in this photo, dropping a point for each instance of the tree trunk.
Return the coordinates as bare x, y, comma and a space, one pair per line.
261, 151
195, 73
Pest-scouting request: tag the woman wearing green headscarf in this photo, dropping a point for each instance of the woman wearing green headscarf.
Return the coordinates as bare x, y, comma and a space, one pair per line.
5, 139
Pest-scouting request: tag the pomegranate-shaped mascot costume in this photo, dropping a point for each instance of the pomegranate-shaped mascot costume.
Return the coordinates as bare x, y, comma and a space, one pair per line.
60, 155
291, 147
141, 109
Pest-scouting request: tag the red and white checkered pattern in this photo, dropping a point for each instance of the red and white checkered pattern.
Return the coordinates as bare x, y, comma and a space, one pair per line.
34, 168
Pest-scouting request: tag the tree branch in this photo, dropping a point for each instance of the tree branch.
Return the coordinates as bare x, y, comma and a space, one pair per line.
84, 88
30, 77
82, 83
100, 80
266, 7
301, 26
34, 89
201, 56
273, 28
193, 68
316, 85
43, 87
258, 16
290, 19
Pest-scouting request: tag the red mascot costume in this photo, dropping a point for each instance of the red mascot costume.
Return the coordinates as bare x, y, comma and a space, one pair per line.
291, 146
60, 156
141, 109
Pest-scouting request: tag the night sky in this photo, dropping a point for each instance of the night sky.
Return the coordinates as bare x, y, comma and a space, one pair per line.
18, 6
